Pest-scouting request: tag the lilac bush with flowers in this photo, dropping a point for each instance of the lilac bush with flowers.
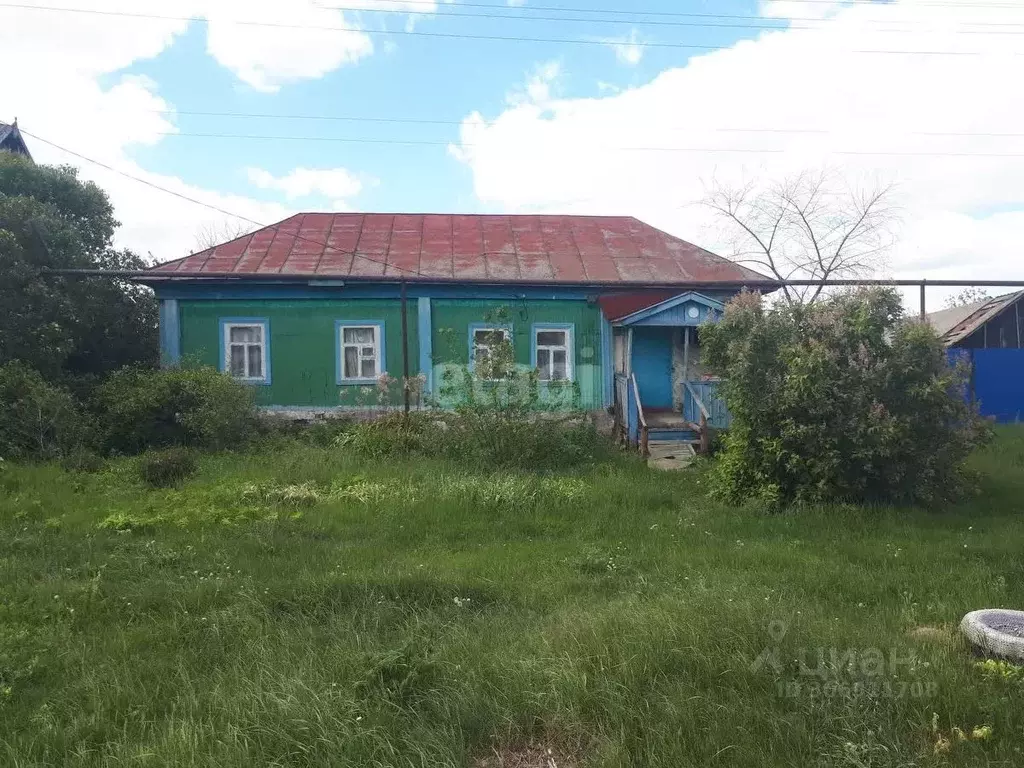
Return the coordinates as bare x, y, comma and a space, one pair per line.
844, 399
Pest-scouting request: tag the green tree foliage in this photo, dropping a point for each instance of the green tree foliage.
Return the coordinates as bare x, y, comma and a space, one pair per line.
194, 407
841, 400
39, 420
66, 327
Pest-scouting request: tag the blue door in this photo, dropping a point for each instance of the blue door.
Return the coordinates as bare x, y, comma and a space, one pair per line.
652, 365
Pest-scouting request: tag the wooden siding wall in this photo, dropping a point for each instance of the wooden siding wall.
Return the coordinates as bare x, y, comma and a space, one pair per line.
303, 343
452, 319
302, 348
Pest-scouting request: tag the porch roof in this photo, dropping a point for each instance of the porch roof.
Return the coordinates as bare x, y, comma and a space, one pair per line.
671, 310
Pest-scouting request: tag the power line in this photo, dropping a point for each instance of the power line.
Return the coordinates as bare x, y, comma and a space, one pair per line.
672, 14
448, 35
429, 121
218, 209
781, 24
429, 143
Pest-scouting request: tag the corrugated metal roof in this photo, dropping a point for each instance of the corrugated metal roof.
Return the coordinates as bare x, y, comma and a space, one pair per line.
957, 323
525, 248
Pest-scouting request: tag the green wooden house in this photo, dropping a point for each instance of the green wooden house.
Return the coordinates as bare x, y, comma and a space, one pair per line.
313, 310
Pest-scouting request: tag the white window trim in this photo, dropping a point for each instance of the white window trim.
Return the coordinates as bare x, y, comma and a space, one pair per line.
378, 350
263, 343
569, 347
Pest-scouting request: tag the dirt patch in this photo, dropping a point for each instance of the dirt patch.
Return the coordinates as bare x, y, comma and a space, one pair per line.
929, 635
526, 756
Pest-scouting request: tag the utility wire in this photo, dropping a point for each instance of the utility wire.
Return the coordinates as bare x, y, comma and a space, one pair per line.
768, 24
431, 4
648, 12
218, 209
428, 143
426, 121
450, 35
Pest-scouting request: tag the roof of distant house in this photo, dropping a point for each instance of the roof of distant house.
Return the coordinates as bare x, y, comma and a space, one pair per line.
463, 248
12, 141
957, 323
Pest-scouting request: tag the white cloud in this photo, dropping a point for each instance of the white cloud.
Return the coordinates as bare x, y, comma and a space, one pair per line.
540, 84
57, 94
308, 182
561, 155
265, 43
267, 57
628, 50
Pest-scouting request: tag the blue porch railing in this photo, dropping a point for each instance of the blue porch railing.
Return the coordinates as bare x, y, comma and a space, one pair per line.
705, 393
629, 413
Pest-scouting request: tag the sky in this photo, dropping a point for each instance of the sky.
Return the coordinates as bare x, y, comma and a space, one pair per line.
260, 109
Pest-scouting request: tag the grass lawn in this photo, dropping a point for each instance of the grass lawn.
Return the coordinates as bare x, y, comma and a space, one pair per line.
298, 606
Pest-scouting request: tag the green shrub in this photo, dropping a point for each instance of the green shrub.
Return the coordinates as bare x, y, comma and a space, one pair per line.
839, 400
82, 461
393, 435
163, 469
195, 407
39, 420
479, 436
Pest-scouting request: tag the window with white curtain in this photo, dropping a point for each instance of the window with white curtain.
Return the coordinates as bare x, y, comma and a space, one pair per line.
360, 351
553, 353
245, 351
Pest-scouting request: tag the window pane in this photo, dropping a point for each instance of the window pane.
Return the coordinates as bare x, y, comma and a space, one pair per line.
543, 363
369, 368
246, 333
255, 361
551, 338
368, 352
358, 335
351, 363
237, 363
489, 336
559, 367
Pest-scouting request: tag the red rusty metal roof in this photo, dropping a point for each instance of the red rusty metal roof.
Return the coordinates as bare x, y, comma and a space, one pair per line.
522, 249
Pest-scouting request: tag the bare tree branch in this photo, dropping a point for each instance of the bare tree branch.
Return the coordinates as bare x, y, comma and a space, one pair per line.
212, 234
809, 226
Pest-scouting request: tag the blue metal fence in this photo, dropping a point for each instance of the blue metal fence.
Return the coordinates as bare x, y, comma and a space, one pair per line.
996, 381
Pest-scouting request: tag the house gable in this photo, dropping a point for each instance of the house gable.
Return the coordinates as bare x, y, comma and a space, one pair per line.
690, 308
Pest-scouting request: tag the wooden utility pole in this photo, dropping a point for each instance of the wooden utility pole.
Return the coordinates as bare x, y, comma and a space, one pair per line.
405, 346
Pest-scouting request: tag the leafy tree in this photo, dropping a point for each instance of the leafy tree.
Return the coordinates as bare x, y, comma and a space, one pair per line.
839, 400
66, 327
966, 297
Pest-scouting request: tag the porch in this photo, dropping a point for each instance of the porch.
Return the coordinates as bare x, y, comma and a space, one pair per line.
666, 402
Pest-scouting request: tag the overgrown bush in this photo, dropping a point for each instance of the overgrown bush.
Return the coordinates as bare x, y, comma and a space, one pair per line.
840, 400
162, 469
39, 420
494, 424
195, 407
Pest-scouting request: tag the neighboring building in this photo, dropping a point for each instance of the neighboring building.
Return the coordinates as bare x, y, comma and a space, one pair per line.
310, 310
12, 141
990, 323
988, 336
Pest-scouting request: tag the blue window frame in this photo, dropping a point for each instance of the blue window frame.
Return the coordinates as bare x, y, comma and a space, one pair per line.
245, 349
553, 351
359, 351
482, 338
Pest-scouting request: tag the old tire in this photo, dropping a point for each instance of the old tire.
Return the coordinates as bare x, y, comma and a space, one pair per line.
996, 632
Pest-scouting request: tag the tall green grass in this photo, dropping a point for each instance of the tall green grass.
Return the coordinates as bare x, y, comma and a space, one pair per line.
303, 606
